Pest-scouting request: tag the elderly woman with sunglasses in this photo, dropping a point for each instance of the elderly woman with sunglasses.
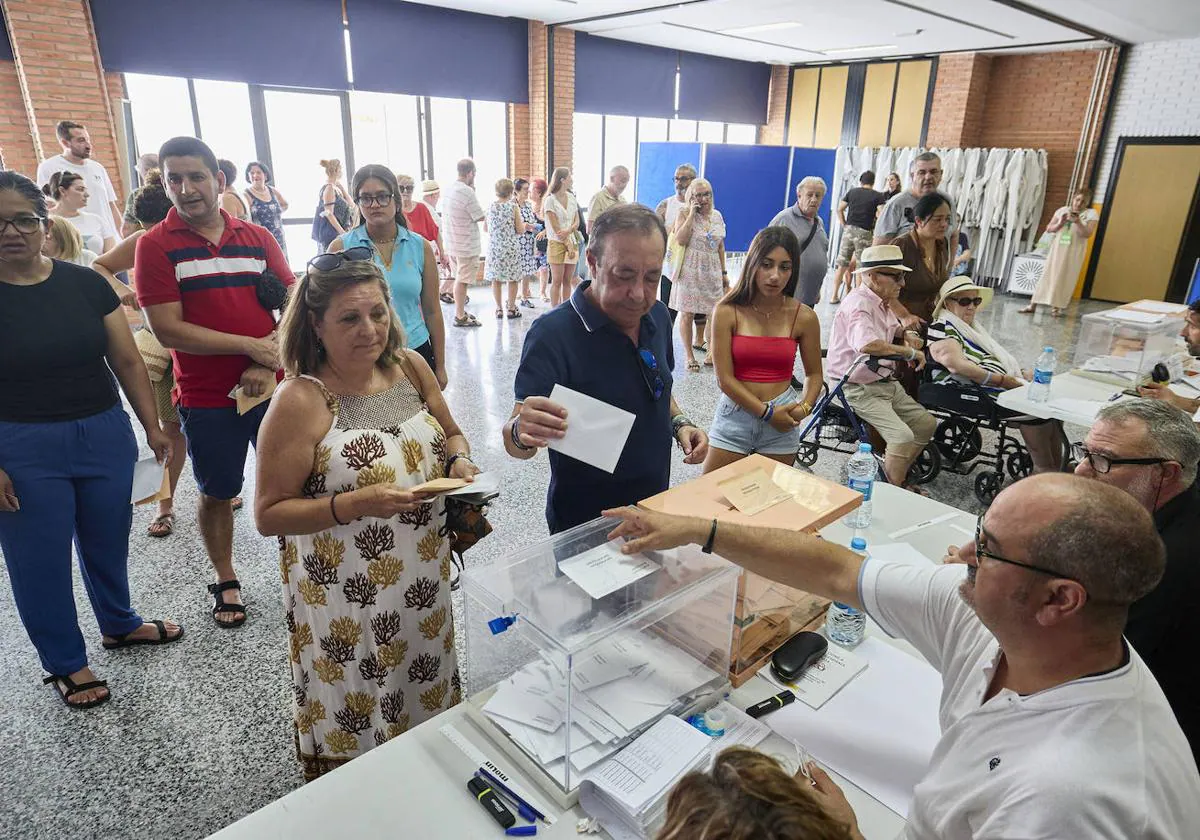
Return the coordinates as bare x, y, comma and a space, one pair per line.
356, 427
966, 353
406, 259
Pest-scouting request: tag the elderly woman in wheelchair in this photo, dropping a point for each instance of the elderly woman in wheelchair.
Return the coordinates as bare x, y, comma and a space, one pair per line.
969, 360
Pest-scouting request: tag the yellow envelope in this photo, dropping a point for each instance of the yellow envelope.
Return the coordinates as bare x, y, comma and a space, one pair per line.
440, 485
753, 492
245, 403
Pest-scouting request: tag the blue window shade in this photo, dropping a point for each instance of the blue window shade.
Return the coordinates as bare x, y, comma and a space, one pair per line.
297, 43
723, 89
619, 77
471, 56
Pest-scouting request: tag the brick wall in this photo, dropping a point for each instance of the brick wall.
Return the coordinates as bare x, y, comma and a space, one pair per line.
959, 99
54, 46
772, 133
561, 110
1039, 101
16, 144
564, 97
518, 141
1156, 97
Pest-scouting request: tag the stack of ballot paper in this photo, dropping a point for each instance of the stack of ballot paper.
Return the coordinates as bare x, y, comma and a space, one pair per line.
619, 687
628, 792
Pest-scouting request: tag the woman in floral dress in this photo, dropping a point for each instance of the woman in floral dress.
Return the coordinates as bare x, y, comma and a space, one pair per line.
698, 265
505, 229
528, 262
366, 574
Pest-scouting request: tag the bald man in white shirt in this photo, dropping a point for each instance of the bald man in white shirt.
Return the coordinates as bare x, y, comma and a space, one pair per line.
1052, 726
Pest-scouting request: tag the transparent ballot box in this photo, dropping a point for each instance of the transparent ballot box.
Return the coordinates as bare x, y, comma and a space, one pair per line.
574, 649
767, 613
1123, 345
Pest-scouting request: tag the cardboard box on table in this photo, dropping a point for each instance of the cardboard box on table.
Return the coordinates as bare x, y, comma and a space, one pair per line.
767, 613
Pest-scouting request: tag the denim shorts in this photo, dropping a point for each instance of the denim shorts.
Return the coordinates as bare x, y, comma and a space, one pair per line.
736, 430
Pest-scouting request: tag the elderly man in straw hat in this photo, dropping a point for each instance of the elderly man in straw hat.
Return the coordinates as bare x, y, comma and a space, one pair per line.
968, 354
865, 325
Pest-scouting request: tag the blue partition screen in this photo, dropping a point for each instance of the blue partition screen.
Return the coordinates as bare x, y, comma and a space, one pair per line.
749, 184
817, 162
656, 169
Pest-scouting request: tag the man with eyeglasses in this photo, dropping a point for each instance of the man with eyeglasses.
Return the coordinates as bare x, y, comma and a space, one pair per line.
613, 342
198, 280
1151, 451
865, 324
1052, 726
668, 210
924, 177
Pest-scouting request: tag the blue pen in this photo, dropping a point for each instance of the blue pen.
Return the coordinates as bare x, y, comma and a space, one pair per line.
527, 811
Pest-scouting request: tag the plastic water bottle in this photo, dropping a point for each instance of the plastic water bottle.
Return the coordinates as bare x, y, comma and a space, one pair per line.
1043, 372
860, 475
844, 625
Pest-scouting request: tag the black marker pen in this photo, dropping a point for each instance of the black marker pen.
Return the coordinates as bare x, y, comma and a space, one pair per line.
491, 803
771, 704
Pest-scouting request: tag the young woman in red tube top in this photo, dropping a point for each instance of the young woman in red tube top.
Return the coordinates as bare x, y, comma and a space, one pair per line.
757, 329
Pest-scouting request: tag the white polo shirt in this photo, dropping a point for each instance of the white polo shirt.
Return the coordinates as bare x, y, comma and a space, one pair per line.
1098, 757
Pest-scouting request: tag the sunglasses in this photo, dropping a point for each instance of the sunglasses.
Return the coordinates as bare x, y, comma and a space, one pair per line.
980, 551
650, 365
894, 275
405, 189
332, 262
975, 301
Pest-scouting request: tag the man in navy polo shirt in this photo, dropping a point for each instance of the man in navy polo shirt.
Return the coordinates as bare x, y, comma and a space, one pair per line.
611, 341
197, 277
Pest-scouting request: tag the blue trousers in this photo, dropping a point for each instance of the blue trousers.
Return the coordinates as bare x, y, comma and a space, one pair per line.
73, 480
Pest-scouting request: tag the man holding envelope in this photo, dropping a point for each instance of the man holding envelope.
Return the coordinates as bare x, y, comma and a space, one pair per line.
594, 383
199, 280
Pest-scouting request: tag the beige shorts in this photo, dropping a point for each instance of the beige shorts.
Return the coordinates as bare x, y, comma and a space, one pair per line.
465, 269
557, 253
899, 419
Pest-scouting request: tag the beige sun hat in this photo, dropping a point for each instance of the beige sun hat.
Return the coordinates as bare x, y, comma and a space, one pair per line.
957, 285
881, 256
428, 187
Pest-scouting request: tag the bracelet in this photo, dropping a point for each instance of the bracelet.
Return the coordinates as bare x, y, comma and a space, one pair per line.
986, 379
516, 435
712, 535
465, 456
807, 408
333, 510
769, 413
678, 422
765, 412
912, 354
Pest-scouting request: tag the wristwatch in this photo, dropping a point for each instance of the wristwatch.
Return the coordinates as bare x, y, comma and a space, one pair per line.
678, 422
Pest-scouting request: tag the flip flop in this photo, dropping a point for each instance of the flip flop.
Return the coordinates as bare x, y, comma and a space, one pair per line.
72, 689
123, 641
445, 297
693, 366
167, 521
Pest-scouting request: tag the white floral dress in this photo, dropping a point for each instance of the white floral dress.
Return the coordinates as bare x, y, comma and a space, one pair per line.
504, 245
368, 604
697, 286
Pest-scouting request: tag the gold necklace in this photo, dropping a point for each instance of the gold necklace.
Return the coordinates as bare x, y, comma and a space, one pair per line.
767, 315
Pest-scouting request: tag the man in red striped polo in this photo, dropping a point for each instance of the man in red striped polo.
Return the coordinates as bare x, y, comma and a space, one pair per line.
198, 274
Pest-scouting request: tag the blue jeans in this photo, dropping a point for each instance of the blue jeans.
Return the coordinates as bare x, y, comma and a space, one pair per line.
73, 480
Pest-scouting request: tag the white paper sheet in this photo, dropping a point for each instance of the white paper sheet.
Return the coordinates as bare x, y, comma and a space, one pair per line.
147, 478
880, 730
596, 431
825, 677
647, 767
1157, 306
484, 483
604, 569
1083, 408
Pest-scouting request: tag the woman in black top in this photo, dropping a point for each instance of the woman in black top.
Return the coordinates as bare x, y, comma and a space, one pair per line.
67, 448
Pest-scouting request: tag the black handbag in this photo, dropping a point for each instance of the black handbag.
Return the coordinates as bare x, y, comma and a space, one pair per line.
466, 524
271, 293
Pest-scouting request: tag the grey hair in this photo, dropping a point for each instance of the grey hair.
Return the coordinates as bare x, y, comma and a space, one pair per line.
1170, 433
1104, 539
624, 217
923, 158
687, 167
812, 181
618, 168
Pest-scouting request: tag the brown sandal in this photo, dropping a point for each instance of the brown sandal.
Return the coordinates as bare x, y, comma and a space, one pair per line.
162, 526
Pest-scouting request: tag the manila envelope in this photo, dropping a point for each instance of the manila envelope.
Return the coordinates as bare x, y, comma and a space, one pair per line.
245, 403
440, 485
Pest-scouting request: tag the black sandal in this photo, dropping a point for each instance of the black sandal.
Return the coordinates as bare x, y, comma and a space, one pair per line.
123, 641
237, 610
513, 313
73, 689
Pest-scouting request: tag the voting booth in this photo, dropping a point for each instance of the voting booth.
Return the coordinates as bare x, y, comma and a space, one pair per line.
767, 613
1123, 345
573, 649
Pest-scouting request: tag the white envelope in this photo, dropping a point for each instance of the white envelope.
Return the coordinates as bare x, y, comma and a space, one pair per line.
596, 431
147, 478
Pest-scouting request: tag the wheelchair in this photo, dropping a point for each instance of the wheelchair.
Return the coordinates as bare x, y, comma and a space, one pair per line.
834, 427
963, 412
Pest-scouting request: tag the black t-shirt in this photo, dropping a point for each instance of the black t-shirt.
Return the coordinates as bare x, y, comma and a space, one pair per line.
861, 204
52, 347
1164, 626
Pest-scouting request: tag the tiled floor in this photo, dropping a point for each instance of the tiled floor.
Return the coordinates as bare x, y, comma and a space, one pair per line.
199, 734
